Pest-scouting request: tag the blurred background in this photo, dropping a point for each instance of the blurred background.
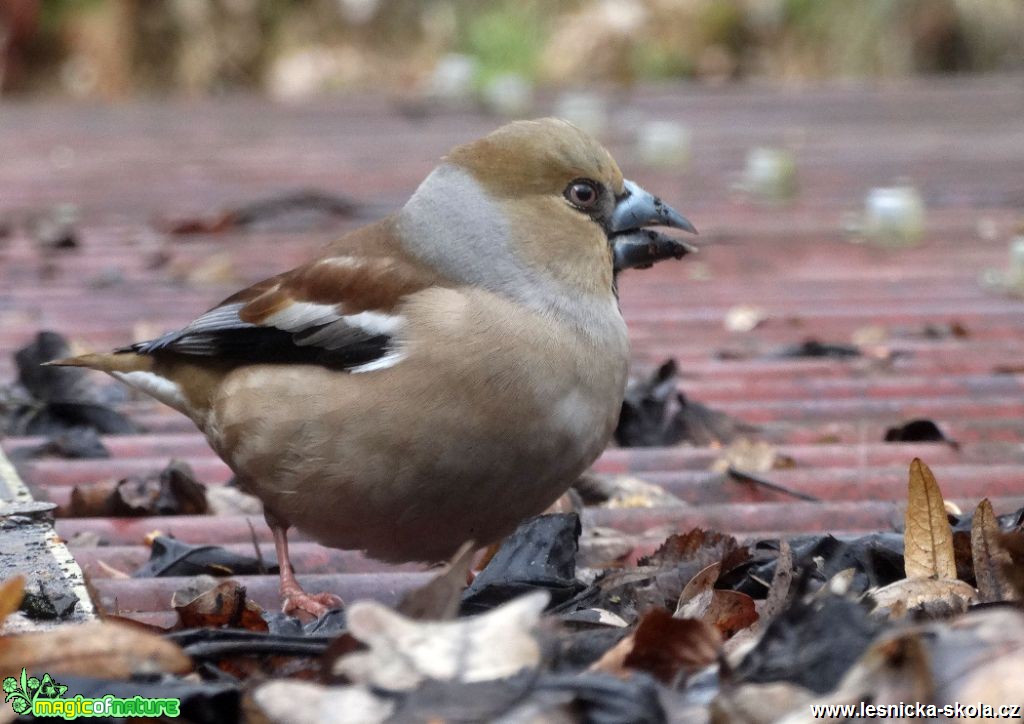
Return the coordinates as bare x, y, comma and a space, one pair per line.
496, 51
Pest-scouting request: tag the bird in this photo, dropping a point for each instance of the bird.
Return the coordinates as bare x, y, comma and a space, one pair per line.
437, 376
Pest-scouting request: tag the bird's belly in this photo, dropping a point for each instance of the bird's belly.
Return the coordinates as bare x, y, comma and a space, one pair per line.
414, 475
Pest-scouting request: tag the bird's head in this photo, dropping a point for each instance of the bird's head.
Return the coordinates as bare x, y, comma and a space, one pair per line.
541, 200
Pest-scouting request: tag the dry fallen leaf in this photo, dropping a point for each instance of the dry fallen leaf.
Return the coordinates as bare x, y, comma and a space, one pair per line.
403, 652
663, 646
909, 593
1013, 544
988, 555
11, 592
728, 611
439, 598
778, 593
928, 538
100, 649
702, 583
209, 603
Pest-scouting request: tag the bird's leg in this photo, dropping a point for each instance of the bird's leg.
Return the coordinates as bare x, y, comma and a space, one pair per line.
295, 599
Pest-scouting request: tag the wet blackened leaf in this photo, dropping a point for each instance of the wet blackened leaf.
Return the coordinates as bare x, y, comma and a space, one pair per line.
605, 699
918, 431
52, 400
331, 623
539, 555
816, 348
811, 643
655, 413
876, 560
171, 557
80, 443
928, 538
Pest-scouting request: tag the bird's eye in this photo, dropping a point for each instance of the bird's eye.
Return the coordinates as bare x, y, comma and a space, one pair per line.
582, 194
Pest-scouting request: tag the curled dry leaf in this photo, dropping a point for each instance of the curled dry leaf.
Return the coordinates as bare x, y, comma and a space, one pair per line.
403, 652
212, 604
988, 555
700, 584
928, 538
100, 649
663, 646
728, 611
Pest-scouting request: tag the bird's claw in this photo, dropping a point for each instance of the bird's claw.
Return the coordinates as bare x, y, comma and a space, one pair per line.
315, 604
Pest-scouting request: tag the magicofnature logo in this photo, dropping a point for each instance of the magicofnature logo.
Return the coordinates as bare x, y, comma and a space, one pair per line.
44, 697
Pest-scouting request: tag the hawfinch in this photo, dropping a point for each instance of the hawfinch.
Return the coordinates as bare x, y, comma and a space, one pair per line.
437, 376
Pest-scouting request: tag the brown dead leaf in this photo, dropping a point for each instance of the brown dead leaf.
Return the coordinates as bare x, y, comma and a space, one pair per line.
665, 646
731, 612
212, 604
439, 598
1013, 544
778, 593
928, 538
171, 491
989, 557
699, 546
11, 592
909, 593
100, 649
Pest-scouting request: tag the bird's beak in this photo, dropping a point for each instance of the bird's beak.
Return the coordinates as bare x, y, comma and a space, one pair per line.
636, 247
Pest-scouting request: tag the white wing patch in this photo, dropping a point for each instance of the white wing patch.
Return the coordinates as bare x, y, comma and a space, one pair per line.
391, 359
154, 385
298, 316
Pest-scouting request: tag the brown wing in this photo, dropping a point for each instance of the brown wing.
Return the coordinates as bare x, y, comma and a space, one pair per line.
340, 311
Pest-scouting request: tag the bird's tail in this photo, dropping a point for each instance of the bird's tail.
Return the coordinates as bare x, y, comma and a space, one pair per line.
107, 362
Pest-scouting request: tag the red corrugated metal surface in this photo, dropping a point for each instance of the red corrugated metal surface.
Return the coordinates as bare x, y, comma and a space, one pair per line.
961, 143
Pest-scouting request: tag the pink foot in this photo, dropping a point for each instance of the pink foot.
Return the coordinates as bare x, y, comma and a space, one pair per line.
315, 604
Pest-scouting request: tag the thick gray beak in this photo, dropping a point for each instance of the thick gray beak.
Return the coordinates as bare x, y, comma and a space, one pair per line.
635, 247
638, 208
